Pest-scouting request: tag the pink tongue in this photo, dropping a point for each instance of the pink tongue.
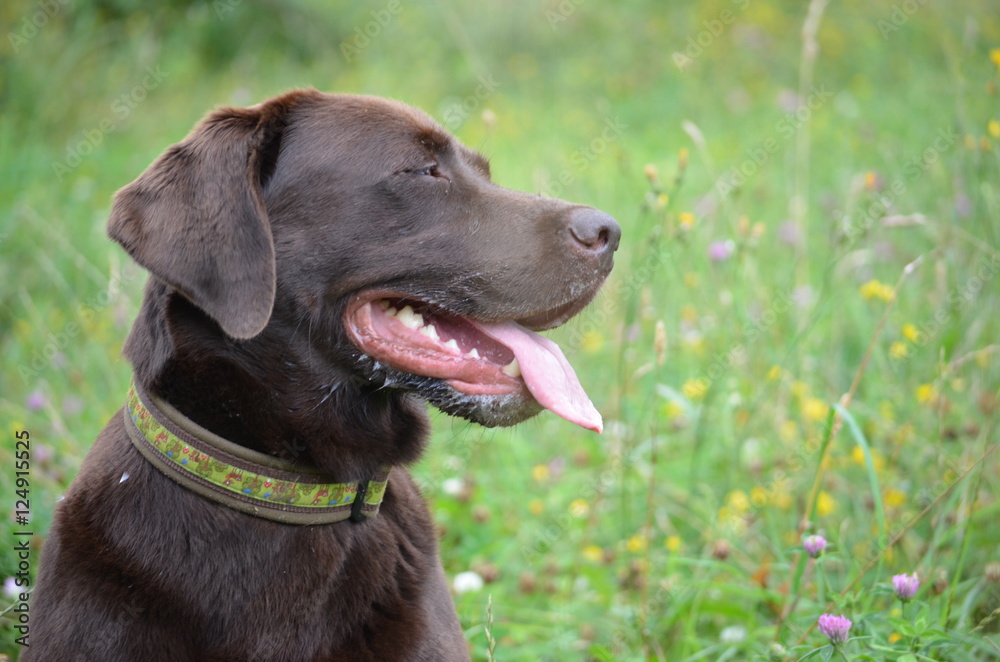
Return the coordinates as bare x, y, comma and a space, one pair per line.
547, 373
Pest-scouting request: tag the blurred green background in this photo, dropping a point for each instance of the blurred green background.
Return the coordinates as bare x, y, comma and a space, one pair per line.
775, 166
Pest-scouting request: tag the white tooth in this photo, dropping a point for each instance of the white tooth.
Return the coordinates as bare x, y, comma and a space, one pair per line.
473, 353
390, 312
410, 319
430, 331
512, 369
453, 346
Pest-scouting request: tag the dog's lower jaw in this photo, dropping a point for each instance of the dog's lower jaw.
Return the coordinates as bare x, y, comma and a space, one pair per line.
487, 410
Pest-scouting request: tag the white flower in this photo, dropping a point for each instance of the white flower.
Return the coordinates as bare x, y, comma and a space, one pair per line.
733, 634
467, 581
10, 588
452, 486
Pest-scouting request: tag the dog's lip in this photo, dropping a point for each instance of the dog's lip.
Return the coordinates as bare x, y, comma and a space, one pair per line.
474, 357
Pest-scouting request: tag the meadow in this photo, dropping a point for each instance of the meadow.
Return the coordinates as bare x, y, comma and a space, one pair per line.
799, 347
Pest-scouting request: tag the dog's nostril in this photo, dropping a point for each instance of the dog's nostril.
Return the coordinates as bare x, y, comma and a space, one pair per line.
594, 229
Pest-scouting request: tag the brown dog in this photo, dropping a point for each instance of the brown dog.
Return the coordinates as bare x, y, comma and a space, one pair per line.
320, 263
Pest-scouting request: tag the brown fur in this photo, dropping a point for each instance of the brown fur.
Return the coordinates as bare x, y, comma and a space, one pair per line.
257, 229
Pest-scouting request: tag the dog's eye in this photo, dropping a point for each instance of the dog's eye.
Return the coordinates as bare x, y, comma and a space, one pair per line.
430, 170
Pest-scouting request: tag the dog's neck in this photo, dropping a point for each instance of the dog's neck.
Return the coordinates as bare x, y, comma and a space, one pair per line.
270, 396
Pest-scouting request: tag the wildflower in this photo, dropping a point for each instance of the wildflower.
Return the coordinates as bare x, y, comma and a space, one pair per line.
774, 374
636, 543
694, 389
689, 314
536, 507
912, 333
591, 342
789, 233
815, 409
686, 219
758, 230
925, 393
905, 586
720, 251
875, 289
825, 504
453, 486
995, 57
35, 401
579, 508
682, 154
758, 496
894, 498
593, 553
835, 628
652, 174
899, 350
540, 472
733, 634
738, 501
672, 543
993, 126
467, 581
814, 545
871, 181
690, 280
10, 587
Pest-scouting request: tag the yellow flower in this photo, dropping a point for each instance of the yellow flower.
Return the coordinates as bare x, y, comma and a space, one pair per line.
636, 543
874, 289
540, 472
672, 543
789, 431
899, 350
536, 507
758, 230
774, 373
958, 384
686, 219
689, 313
662, 200
682, 157
652, 173
912, 333
894, 637
579, 508
743, 225
825, 504
593, 553
591, 342
694, 389
926, 393
690, 280
993, 127
672, 410
995, 57
871, 179
815, 409
758, 496
782, 499
738, 501
800, 389
894, 498
858, 457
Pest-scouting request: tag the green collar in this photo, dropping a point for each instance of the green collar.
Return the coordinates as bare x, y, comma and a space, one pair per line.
239, 478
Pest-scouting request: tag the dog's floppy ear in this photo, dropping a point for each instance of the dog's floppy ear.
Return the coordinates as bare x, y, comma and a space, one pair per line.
196, 218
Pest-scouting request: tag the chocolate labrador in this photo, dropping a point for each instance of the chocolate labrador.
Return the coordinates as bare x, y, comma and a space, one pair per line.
320, 265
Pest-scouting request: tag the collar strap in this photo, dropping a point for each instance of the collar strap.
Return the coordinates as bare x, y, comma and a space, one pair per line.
242, 479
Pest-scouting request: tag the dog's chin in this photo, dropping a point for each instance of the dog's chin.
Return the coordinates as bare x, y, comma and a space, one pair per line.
488, 410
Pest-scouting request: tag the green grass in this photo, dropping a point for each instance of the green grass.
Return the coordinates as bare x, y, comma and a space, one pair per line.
676, 535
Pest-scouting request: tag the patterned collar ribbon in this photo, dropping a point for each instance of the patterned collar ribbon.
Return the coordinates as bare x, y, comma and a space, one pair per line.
248, 481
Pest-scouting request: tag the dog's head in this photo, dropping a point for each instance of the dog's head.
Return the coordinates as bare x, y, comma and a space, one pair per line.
364, 226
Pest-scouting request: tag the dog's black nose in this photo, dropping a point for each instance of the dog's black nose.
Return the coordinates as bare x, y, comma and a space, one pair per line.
594, 230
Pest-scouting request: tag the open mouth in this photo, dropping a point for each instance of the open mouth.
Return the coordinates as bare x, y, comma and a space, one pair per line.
473, 357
